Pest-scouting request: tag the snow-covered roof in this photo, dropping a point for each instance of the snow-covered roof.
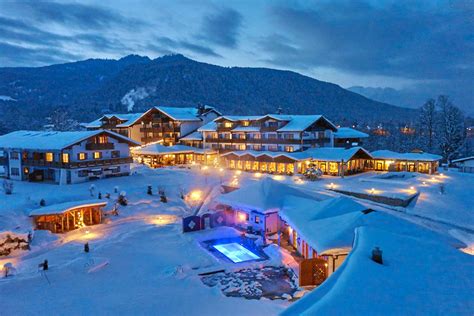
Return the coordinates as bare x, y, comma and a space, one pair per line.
388, 154
267, 195
347, 132
66, 206
407, 283
128, 118
209, 127
300, 122
157, 149
193, 136
52, 140
273, 154
328, 226
335, 154
463, 159
183, 114
235, 118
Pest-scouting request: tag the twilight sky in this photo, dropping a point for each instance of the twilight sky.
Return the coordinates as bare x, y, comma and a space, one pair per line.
418, 45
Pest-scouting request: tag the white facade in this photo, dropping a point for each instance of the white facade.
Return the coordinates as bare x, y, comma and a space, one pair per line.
88, 155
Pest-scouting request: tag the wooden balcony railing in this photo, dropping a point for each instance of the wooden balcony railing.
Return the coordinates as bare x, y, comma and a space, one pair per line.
98, 146
76, 164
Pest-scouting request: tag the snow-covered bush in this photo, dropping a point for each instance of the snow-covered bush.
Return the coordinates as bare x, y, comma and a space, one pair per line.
8, 186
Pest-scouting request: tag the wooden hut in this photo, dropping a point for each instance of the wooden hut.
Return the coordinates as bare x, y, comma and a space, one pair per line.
64, 217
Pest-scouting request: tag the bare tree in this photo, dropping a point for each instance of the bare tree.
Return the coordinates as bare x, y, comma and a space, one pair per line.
451, 127
428, 123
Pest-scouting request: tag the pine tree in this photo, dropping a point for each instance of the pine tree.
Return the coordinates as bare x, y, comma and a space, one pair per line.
427, 124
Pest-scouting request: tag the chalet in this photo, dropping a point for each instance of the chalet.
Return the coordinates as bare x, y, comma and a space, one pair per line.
465, 164
65, 157
64, 217
348, 137
272, 132
158, 124
156, 155
387, 160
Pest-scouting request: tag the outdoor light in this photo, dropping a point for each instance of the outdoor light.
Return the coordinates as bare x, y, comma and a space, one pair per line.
412, 188
257, 175
242, 216
372, 190
238, 172
196, 195
87, 232
331, 185
424, 182
221, 169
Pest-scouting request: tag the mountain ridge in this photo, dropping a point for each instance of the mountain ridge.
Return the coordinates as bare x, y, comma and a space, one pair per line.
91, 87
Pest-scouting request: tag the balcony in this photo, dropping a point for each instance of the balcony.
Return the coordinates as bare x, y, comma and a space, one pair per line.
76, 164
281, 141
99, 146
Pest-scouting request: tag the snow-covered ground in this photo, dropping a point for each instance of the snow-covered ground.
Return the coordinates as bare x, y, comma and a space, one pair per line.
141, 262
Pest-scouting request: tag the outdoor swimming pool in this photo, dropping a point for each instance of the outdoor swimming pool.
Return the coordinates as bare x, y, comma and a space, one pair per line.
235, 249
236, 252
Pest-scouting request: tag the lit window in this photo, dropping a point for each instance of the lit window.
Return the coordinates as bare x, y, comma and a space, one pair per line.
49, 157
245, 123
257, 219
289, 149
82, 156
97, 155
228, 124
65, 158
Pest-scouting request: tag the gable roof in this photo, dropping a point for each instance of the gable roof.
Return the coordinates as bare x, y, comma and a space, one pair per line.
388, 154
184, 113
61, 208
192, 136
53, 140
301, 122
209, 127
347, 132
335, 154
128, 118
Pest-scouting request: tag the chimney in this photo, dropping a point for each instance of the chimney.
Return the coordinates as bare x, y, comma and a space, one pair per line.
200, 109
279, 110
377, 255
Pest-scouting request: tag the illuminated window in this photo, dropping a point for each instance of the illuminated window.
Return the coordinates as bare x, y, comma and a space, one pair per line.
228, 124
103, 139
65, 158
257, 219
26, 170
49, 157
289, 149
97, 155
245, 123
82, 156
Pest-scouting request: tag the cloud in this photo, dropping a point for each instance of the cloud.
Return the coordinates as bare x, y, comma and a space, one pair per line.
222, 28
73, 14
15, 55
400, 39
166, 45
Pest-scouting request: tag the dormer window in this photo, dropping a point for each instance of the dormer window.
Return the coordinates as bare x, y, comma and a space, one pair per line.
245, 123
228, 124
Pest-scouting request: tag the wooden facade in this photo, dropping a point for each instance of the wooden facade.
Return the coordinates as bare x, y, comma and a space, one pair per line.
66, 220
